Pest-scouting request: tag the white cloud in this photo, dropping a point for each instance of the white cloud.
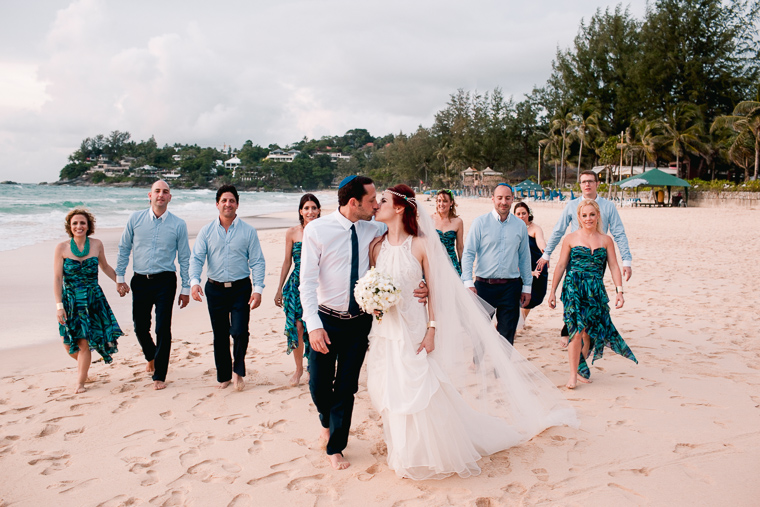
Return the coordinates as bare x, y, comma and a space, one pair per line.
211, 74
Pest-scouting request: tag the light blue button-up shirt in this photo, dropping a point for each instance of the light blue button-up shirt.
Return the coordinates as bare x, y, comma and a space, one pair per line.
154, 242
501, 248
232, 255
610, 223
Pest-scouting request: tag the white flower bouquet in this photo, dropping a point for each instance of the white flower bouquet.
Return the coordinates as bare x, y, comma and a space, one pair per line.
376, 293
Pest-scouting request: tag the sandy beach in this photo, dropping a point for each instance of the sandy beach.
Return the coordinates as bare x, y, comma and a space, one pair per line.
680, 428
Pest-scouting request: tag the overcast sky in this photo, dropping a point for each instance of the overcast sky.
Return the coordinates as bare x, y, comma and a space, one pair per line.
271, 72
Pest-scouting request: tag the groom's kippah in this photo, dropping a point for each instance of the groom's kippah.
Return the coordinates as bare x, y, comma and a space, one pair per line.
346, 181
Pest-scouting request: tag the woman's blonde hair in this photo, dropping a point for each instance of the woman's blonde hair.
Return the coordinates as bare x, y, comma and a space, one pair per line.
84, 212
593, 204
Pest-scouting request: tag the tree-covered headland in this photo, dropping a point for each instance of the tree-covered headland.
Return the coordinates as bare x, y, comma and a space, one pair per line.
680, 87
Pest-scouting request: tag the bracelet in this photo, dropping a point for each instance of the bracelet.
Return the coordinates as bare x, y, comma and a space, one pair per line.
431, 324
619, 290
59, 306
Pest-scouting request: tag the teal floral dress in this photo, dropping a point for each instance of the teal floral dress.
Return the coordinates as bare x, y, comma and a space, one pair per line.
88, 315
585, 303
291, 302
449, 240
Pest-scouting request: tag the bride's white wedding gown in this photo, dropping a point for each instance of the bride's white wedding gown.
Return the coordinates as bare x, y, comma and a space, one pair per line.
430, 428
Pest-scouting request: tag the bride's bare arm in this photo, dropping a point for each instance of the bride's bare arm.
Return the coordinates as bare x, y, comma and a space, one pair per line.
374, 250
418, 250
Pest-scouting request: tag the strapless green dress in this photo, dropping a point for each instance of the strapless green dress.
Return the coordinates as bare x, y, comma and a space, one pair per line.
449, 240
291, 302
88, 315
585, 303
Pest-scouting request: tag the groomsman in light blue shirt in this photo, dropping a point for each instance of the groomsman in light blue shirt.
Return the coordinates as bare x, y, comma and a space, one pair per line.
499, 242
233, 252
155, 237
611, 222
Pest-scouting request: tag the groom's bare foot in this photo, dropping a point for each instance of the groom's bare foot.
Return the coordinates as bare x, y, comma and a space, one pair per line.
150, 367
158, 385
224, 385
324, 437
338, 462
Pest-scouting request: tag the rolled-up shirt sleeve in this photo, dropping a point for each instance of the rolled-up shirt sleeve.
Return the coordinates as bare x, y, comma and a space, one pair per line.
125, 247
524, 262
183, 257
311, 251
470, 251
256, 263
198, 258
618, 233
559, 230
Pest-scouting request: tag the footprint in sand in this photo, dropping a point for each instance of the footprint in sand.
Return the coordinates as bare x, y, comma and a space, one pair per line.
216, 471
242, 500
311, 484
49, 429
369, 473
256, 447
274, 476
71, 435
188, 457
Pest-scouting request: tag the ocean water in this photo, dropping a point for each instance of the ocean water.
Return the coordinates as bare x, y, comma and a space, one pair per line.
31, 213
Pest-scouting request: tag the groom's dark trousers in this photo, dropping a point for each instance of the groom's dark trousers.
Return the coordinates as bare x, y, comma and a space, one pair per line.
334, 377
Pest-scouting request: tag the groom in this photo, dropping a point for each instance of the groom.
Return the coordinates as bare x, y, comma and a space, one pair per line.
335, 254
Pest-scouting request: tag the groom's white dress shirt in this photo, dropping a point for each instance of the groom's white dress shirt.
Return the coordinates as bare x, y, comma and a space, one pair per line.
326, 263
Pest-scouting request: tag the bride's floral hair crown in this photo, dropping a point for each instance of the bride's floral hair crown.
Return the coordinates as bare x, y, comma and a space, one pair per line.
403, 195
410, 200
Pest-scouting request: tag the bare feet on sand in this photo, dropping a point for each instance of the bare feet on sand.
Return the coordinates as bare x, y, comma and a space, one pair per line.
296, 378
238, 381
338, 462
80, 389
572, 383
150, 367
224, 385
324, 437
158, 385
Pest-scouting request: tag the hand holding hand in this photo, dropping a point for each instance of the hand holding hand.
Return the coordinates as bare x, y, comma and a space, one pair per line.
428, 343
122, 288
183, 301
541, 263
319, 340
255, 300
197, 293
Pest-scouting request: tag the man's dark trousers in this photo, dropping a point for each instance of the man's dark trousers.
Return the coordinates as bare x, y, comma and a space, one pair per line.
505, 297
230, 314
334, 377
159, 291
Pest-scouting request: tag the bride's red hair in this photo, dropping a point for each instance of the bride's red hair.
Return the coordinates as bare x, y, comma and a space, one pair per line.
409, 217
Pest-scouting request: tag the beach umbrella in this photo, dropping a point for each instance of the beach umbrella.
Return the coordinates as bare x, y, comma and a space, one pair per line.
528, 185
653, 178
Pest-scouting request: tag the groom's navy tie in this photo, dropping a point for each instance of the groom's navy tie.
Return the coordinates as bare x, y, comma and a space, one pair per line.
353, 306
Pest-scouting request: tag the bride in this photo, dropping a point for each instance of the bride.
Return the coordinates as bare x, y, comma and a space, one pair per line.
449, 388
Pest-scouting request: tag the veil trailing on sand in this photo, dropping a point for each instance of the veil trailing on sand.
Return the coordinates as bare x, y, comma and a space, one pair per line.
487, 371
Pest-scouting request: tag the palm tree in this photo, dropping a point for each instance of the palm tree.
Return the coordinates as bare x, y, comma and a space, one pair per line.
552, 145
745, 120
586, 125
561, 124
682, 132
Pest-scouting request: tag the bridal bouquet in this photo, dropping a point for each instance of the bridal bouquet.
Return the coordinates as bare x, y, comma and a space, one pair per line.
376, 293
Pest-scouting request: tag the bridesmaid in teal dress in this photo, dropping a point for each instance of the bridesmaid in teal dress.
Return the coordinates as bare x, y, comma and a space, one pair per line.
85, 320
584, 298
288, 295
450, 227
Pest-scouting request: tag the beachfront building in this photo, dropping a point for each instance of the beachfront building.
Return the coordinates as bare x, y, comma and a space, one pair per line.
106, 167
334, 157
481, 183
627, 171
282, 156
232, 164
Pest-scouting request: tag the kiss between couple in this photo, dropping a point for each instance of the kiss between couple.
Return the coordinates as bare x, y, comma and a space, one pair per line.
449, 388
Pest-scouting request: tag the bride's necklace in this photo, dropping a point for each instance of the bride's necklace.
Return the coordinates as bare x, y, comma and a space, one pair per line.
75, 250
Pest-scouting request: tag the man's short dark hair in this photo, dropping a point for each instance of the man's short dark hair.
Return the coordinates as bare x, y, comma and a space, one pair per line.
353, 189
589, 173
227, 188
